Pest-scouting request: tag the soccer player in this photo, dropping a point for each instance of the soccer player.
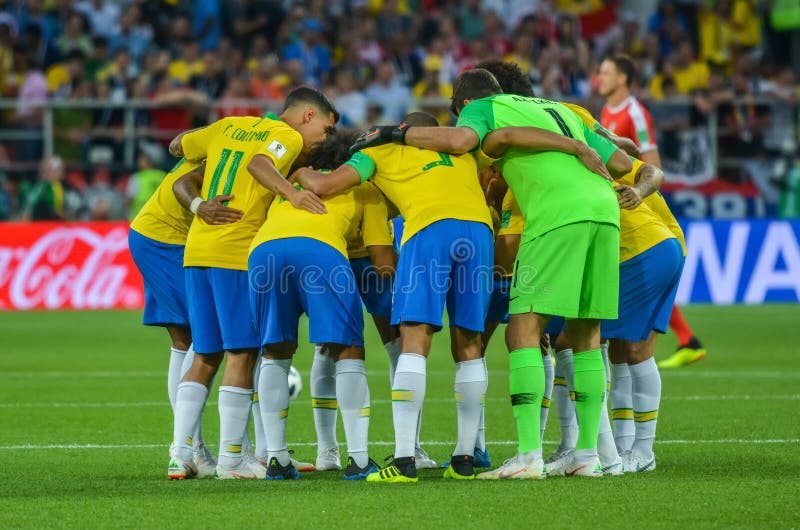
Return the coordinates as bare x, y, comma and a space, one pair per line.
298, 264
624, 116
246, 157
445, 261
577, 279
156, 240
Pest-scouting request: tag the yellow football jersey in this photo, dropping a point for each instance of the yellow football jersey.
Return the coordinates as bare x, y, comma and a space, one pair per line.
426, 186
511, 220
657, 203
640, 229
228, 145
162, 218
361, 209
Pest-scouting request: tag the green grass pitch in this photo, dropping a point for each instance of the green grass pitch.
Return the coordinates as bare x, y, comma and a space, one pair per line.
728, 444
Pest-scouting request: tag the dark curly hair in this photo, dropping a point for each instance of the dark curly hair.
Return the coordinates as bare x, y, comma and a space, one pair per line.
512, 80
333, 151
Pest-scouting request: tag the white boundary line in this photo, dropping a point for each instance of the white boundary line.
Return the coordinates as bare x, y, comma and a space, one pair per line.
146, 404
688, 372
387, 443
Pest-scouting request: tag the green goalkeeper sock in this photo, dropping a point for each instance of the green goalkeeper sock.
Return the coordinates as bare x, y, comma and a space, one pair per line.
590, 388
526, 381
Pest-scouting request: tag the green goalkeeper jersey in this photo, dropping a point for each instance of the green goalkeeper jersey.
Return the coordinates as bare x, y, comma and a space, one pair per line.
553, 189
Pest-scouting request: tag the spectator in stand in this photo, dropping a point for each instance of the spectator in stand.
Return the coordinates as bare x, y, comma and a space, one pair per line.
212, 81
311, 50
430, 87
31, 96
668, 25
349, 101
35, 43
72, 125
263, 83
120, 74
522, 53
104, 202
187, 64
99, 58
391, 21
393, 97
147, 178
102, 15
176, 108
7, 35
255, 17
494, 34
399, 52
233, 102
45, 201
688, 73
207, 23
471, 20
369, 49
75, 36
132, 35
294, 75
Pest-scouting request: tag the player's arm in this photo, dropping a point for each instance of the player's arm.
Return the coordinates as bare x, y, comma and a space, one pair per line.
497, 142
626, 144
264, 171
337, 181
647, 181
618, 163
214, 212
359, 168
455, 140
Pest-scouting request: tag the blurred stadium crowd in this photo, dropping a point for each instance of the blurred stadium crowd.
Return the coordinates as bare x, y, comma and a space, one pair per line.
197, 60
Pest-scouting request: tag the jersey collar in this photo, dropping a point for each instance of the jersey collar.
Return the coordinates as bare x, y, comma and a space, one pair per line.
272, 116
621, 106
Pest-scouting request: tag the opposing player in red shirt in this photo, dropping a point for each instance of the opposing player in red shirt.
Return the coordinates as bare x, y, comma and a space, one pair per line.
625, 116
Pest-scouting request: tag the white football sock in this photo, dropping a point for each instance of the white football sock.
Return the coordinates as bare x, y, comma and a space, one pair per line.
273, 397
393, 351
352, 393
470, 388
187, 363
622, 407
480, 443
174, 373
260, 451
408, 393
646, 386
189, 402
562, 384
235, 405
606, 447
323, 399
549, 376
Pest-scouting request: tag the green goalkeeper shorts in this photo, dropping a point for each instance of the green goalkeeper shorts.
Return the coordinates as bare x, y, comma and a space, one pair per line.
571, 271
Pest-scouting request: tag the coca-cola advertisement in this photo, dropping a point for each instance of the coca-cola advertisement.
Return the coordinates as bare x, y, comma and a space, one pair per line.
67, 266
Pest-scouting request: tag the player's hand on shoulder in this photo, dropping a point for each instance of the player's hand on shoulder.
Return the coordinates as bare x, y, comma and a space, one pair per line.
628, 196
214, 211
592, 161
307, 200
380, 135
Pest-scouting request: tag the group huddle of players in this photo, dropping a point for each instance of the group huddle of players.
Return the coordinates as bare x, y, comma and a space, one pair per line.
525, 212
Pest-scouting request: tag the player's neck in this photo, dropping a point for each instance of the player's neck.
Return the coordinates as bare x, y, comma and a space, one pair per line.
618, 96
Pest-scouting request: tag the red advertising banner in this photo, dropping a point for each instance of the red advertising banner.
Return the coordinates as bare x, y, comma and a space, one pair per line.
56, 265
